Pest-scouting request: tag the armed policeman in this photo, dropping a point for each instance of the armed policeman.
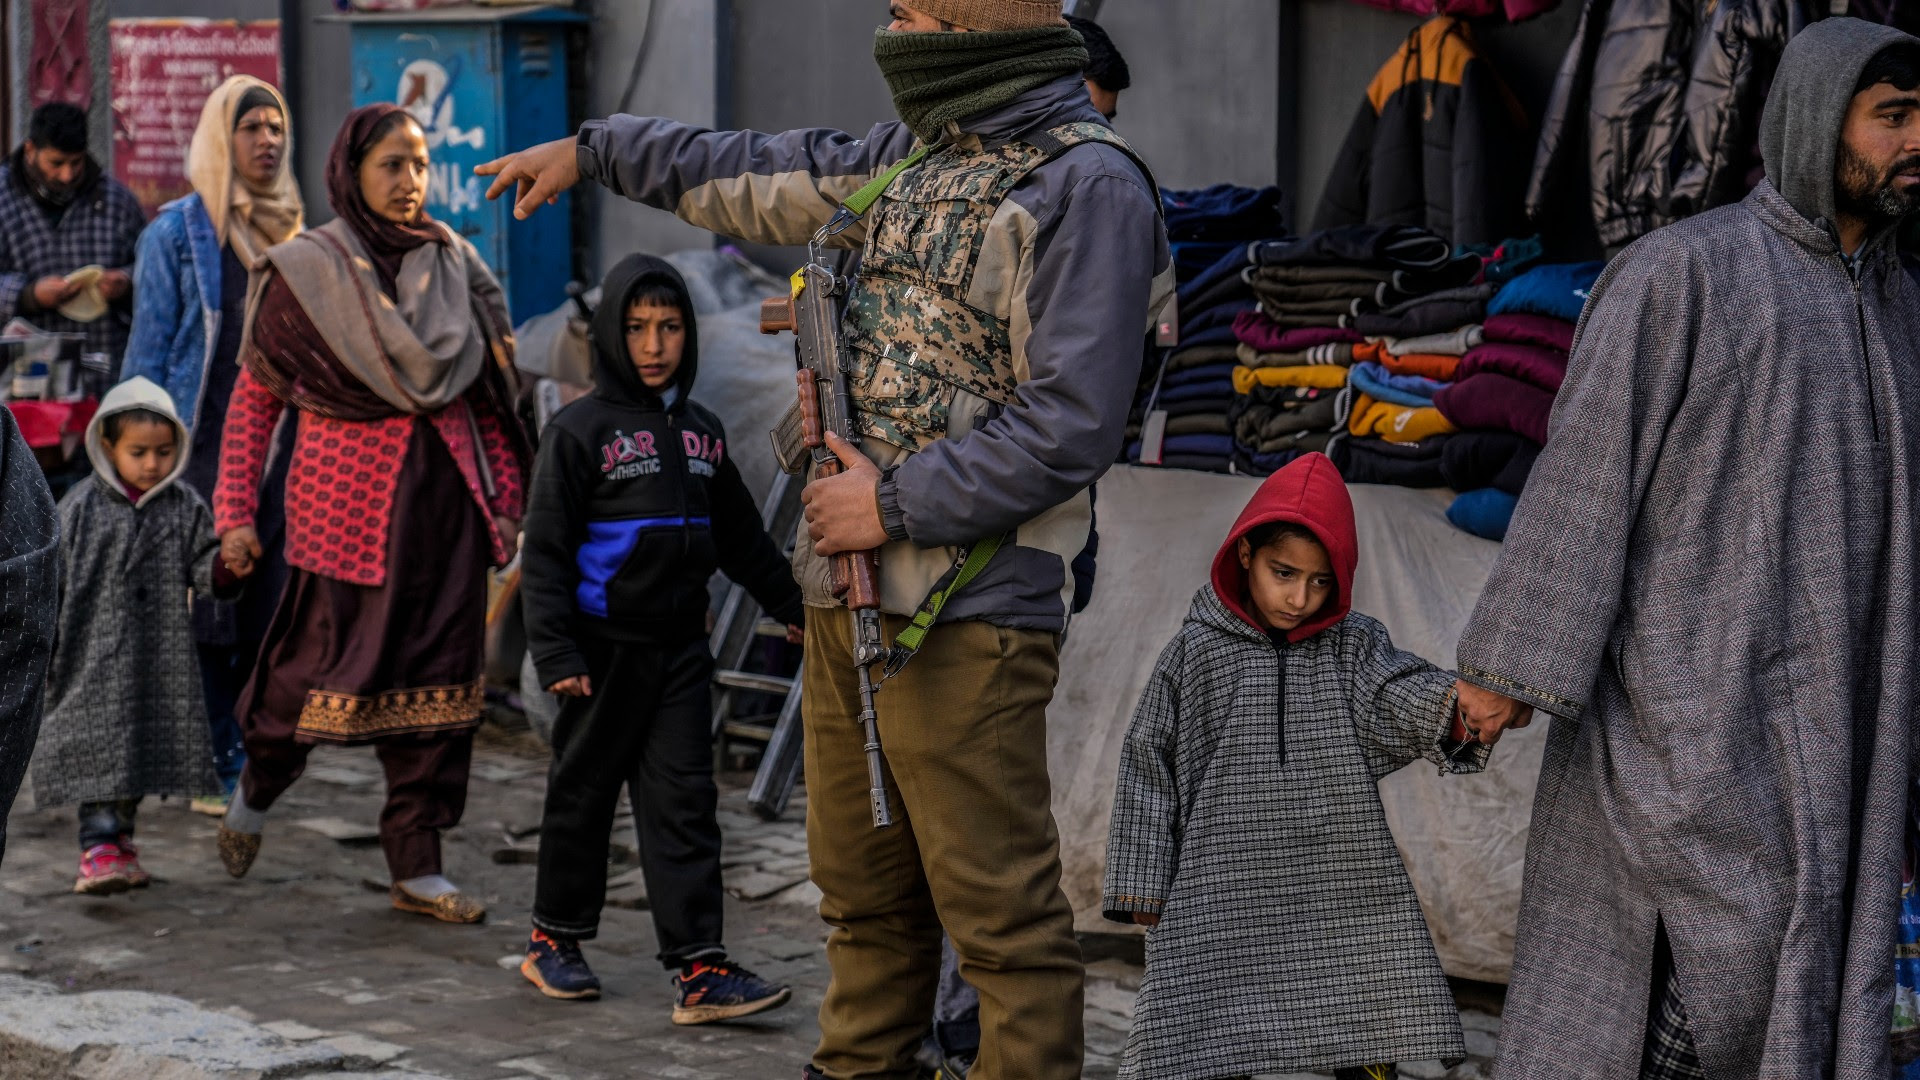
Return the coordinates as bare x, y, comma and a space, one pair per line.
993, 335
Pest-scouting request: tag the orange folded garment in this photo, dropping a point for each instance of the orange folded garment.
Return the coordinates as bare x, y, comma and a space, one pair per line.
1318, 376
1396, 423
1427, 365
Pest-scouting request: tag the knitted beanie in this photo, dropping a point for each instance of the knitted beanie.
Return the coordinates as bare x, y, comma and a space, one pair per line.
993, 14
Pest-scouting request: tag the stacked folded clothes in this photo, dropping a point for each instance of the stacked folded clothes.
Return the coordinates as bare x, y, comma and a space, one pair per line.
1192, 384
1383, 311
1503, 391
1407, 362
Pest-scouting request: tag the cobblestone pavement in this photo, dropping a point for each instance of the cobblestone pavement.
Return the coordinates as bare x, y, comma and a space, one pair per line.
308, 947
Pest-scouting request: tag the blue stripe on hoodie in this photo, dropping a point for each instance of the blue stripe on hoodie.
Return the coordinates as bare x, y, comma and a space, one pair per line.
608, 545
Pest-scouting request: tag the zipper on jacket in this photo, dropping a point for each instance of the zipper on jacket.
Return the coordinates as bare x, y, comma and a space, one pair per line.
1280, 700
1866, 362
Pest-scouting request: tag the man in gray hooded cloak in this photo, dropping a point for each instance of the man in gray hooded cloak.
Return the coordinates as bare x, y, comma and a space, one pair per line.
1711, 587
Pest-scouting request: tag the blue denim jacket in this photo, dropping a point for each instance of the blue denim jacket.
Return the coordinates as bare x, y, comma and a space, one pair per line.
176, 296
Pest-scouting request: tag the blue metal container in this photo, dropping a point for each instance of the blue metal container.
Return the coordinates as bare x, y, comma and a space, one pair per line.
482, 81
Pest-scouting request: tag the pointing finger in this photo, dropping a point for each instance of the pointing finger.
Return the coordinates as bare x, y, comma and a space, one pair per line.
533, 195
504, 172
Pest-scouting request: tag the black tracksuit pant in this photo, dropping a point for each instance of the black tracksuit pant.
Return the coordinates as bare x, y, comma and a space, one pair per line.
647, 725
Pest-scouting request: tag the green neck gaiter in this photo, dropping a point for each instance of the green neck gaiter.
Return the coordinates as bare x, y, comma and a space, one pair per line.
938, 77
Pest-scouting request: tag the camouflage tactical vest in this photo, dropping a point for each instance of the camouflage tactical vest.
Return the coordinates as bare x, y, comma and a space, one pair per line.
914, 338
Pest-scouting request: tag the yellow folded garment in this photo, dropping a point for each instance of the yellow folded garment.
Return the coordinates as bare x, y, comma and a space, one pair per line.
1396, 423
1321, 376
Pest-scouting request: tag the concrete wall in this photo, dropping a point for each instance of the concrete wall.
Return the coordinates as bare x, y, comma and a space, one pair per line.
676, 45
1205, 97
1201, 109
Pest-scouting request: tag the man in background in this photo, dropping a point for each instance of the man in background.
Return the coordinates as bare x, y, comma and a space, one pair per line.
1107, 72
60, 212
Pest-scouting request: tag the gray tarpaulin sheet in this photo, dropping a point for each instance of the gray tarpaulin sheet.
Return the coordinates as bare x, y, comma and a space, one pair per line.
1463, 837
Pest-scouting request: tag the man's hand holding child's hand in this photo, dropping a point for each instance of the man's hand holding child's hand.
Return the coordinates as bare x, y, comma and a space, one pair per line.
1487, 714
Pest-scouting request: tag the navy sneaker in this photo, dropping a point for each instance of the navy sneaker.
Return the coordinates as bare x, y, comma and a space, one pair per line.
722, 990
557, 968
954, 1067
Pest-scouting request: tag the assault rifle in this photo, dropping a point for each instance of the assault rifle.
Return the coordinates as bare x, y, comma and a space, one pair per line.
826, 405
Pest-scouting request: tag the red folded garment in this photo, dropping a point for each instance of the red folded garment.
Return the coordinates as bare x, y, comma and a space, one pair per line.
1498, 403
1265, 335
1544, 368
1531, 330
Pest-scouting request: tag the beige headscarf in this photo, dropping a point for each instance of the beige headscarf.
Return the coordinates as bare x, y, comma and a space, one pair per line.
250, 218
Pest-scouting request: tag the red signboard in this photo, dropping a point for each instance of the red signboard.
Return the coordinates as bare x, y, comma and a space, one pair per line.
163, 70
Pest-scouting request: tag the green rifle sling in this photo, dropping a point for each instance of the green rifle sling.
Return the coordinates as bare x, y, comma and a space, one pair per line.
862, 201
915, 635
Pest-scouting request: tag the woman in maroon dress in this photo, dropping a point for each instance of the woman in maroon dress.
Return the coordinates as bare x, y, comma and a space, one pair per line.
388, 337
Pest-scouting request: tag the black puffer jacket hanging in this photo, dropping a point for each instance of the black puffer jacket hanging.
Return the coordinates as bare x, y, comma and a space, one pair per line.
1433, 145
1655, 114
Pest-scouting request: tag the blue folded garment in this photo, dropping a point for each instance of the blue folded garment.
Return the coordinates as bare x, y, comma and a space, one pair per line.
1225, 267
1380, 384
1212, 446
1248, 463
1198, 322
1223, 212
1557, 289
1212, 335
1220, 374
1174, 395
1485, 513
1192, 257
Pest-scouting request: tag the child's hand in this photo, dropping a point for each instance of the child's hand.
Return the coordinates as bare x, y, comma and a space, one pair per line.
239, 548
1487, 715
572, 686
796, 635
509, 534
1144, 918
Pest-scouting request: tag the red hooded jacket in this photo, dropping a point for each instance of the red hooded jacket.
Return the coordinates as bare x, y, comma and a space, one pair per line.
1307, 492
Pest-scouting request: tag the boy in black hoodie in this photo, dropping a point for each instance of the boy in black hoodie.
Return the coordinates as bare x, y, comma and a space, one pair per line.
635, 504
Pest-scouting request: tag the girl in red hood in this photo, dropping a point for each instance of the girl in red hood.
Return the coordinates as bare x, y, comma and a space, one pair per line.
1247, 828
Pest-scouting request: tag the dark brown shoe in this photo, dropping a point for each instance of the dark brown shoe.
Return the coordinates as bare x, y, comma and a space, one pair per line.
453, 907
238, 850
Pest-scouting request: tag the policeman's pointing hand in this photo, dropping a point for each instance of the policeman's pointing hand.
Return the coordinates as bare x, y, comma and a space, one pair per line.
538, 174
843, 512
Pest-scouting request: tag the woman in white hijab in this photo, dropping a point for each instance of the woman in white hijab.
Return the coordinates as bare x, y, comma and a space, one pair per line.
190, 294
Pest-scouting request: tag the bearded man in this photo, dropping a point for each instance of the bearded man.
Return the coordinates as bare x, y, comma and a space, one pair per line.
59, 212
1711, 585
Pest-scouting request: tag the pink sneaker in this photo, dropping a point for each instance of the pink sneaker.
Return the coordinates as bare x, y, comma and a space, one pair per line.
105, 869
136, 876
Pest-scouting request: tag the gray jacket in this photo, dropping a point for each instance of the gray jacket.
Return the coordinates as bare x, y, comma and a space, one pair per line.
1077, 259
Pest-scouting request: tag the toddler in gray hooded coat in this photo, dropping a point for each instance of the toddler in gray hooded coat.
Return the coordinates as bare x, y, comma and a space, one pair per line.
125, 713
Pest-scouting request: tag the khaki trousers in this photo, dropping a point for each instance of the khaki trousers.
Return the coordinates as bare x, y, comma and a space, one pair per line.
973, 848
